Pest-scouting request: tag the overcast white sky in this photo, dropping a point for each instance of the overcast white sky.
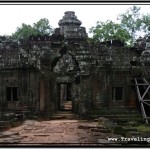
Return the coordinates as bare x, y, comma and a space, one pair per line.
12, 16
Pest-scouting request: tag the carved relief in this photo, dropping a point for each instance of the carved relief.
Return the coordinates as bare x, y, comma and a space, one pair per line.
65, 64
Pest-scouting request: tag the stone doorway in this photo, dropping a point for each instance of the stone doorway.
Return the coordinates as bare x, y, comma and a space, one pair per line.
12, 97
65, 100
12, 94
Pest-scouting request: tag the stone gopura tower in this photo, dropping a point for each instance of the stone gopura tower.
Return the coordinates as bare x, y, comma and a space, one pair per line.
65, 72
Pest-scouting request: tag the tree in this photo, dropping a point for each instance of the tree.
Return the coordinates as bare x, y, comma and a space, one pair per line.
132, 25
39, 28
42, 27
145, 23
109, 31
23, 32
134, 22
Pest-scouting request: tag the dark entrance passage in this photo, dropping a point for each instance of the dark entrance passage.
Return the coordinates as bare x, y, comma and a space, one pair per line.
12, 94
65, 102
12, 97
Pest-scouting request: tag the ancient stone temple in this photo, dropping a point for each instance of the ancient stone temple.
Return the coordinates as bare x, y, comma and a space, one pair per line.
65, 72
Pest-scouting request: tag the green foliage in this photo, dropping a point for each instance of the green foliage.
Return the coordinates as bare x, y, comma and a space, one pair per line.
23, 32
39, 28
143, 128
132, 23
42, 27
145, 23
109, 30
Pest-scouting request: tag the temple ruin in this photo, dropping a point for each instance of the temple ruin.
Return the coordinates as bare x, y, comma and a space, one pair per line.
65, 72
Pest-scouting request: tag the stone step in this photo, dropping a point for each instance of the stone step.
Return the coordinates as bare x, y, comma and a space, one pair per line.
99, 130
55, 117
65, 112
64, 115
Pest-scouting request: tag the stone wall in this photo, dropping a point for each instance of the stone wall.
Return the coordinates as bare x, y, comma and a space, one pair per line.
100, 74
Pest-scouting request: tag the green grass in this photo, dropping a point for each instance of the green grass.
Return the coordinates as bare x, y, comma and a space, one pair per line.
143, 128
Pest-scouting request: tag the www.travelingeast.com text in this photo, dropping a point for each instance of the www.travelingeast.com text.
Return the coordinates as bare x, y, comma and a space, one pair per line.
125, 139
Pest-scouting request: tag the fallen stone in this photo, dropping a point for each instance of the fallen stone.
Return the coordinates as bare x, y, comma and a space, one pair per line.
132, 123
86, 126
25, 132
29, 122
133, 134
120, 130
131, 129
9, 115
100, 127
99, 130
16, 137
5, 124
8, 134
12, 141
103, 141
28, 128
102, 120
